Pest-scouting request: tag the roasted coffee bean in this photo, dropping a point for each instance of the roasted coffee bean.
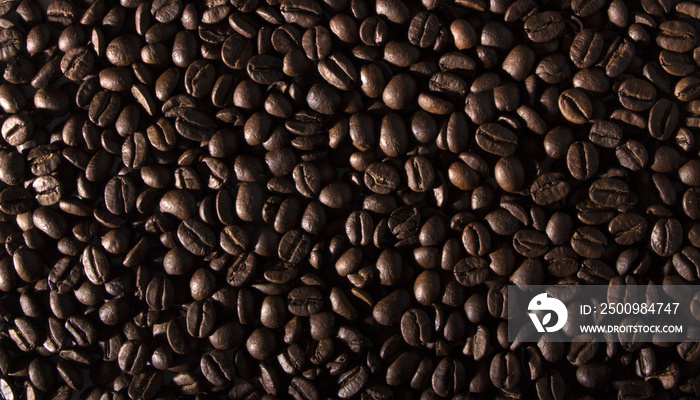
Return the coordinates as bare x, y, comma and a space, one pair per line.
389, 310
64, 276
685, 263
636, 94
301, 12
559, 228
471, 271
133, 356
628, 228
420, 174
589, 242
549, 188
17, 129
264, 69
195, 236
635, 389
544, 26
688, 173
160, 293
294, 246
401, 53
476, 239
557, 140
316, 42
96, 265
199, 78
304, 301
676, 36
184, 49
301, 388
381, 178
353, 381
48, 190
202, 284
42, 373
592, 80
145, 385
49, 221
586, 48
195, 125
11, 43
553, 68
666, 236
338, 71
608, 192
663, 119
618, 57
632, 155
134, 150
81, 329
24, 334
164, 11
424, 29
241, 270
11, 98
582, 160
272, 312
399, 92
510, 174
120, 196
530, 243
216, 367
78, 63
605, 134
261, 343
448, 377
575, 106
505, 371
15, 200
359, 228
687, 89
463, 33
416, 327
323, 99
593, 375
236, 51
519, 62
496, 139
104, 108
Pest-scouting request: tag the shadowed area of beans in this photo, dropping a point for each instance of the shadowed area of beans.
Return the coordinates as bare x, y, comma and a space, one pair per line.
263, 199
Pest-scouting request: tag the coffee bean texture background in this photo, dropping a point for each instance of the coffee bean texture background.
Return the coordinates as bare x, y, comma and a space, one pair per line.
275, 199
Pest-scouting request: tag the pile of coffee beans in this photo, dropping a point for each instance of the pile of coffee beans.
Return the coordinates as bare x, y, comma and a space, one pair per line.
260, 199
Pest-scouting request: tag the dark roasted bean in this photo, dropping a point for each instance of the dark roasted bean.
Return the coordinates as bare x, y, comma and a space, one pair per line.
544, 26
186, 184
